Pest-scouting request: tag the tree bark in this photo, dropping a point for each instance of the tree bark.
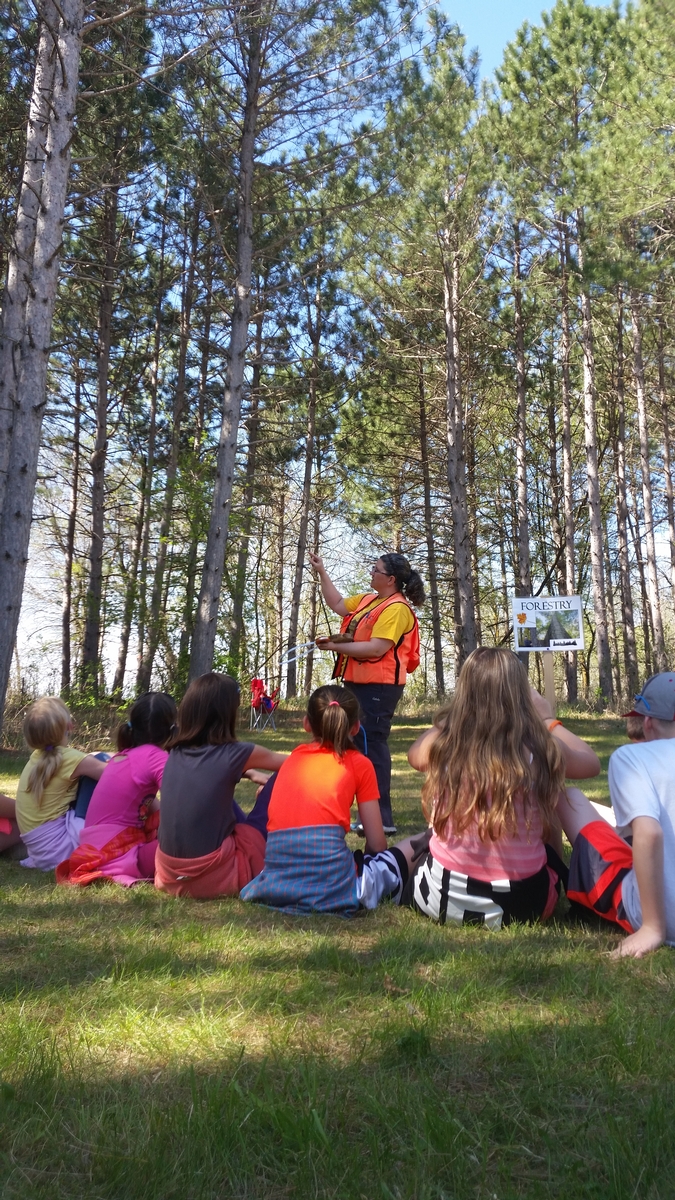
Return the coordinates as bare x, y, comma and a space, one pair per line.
465, 623
152, 436
204, 638
26, 342
631, 672
571, 677
647, 631
429, 534
593, 481
314, 330
645, 470
524, 568
313, 595
131, 592
253, 427
20, 261
144, 676
90, 669
66, 610
667, 464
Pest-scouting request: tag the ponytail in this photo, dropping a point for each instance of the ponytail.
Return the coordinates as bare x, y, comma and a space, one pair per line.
332, 713
44, 729
408, 582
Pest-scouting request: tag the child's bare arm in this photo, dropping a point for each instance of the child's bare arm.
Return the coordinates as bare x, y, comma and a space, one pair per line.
371, 819
418, 753
91, 766
648, 865
266, 760
580, 761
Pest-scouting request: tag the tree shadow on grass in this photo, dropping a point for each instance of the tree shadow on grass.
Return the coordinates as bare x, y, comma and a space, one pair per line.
415, 1112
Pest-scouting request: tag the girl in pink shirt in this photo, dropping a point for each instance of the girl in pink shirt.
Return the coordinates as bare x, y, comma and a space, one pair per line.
119, 838
494, 775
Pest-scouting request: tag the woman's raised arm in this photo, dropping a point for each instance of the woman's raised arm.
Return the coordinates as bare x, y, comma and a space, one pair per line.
331, 595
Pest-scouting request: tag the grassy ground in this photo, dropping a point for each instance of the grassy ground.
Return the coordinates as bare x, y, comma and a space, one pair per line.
153, 1049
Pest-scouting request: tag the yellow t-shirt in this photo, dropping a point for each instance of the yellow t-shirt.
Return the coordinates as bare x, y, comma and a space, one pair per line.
57, 796
396, 619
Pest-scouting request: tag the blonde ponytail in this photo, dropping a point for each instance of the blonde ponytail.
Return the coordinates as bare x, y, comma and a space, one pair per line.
44, 728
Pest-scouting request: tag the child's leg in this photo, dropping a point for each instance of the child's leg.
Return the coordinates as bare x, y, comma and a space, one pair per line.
575, 810
85, 790
257, 818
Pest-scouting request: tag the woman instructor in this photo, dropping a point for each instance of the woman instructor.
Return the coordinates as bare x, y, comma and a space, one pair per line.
384, 650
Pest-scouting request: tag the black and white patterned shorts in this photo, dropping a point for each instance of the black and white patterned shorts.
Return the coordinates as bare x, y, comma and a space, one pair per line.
444, 895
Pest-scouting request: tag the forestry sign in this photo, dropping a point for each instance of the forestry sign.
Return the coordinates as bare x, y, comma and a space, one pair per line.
548, 623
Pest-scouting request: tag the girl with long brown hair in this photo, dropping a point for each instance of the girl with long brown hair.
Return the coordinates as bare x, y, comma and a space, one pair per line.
494, 774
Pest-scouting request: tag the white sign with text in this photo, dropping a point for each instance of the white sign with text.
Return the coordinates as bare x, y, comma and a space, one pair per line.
548, 623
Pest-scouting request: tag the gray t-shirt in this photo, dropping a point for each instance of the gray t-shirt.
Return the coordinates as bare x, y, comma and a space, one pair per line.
196, 813
642, 784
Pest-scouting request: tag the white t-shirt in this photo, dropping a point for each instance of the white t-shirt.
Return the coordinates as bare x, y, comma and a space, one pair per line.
642, 784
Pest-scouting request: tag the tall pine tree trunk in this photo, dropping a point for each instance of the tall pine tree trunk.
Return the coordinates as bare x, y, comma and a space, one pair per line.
157, 604
253, 427
667, 462
204, 637
67, 606
645, 470
571, 677
524, 570
152, 437
314, 588
465, 616
429, 534
30, 294
593, 481
91, 646
314, 329
631, 672
131, 590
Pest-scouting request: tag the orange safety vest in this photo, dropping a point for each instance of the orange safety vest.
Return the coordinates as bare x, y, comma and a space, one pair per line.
396, 663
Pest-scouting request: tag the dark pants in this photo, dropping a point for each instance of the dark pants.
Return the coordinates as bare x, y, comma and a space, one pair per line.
378, 704
85, 790
257, 818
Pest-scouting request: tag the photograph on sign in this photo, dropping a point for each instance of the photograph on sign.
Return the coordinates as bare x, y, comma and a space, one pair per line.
548, 623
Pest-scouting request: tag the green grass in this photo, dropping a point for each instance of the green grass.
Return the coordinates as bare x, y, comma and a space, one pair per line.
153, 1049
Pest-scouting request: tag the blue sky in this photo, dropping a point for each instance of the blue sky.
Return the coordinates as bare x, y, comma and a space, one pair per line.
490, 24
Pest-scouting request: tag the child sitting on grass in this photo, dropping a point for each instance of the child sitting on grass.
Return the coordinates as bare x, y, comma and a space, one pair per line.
493, 777
119, 838
207, 846
308, 866
632, 887
50, 804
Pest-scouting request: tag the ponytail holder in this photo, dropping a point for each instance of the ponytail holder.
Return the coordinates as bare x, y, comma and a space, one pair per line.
129, 725
48, 749
332, 702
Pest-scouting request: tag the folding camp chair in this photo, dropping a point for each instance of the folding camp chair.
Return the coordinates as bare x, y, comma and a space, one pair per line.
263, 705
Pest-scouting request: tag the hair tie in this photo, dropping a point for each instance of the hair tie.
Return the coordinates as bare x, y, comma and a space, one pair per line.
48, 749
129, 725
332, 702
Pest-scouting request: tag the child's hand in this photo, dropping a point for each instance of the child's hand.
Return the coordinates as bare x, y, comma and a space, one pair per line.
259, 777
636, 945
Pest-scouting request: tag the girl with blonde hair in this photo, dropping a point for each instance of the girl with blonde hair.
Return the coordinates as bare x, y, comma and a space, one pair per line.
48, 811
494, 774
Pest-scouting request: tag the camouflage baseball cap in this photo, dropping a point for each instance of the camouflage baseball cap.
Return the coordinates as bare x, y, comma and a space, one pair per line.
657, 698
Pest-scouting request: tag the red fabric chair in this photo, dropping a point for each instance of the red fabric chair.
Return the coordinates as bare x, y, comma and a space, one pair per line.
263, 705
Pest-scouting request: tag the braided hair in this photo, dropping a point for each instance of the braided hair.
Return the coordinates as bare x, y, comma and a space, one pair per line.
408, 582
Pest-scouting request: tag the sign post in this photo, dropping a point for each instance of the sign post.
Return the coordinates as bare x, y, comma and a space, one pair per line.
547, 624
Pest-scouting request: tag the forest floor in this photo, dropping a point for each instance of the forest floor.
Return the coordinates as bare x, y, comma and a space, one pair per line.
160, 1049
